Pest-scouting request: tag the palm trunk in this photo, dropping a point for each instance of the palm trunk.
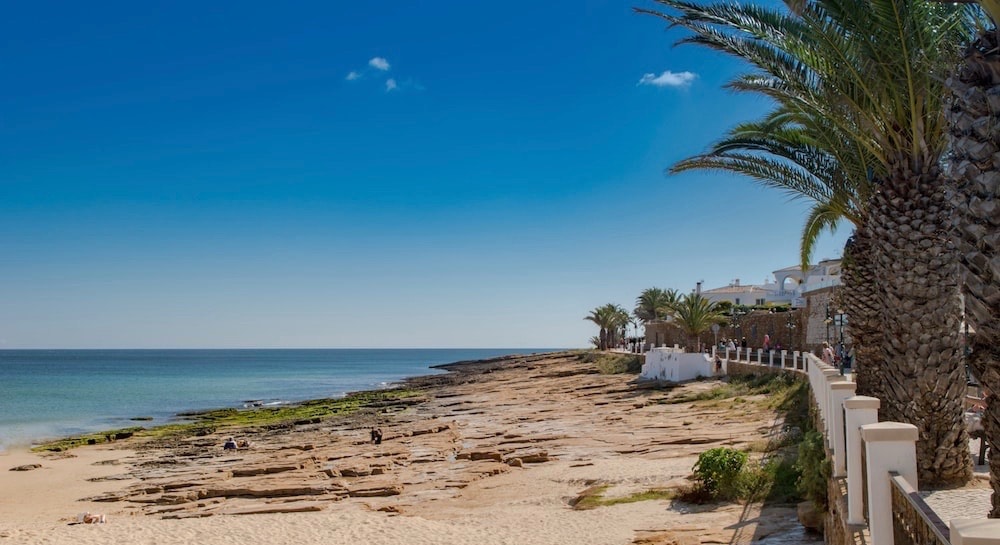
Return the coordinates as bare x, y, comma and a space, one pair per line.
975, 174
925, 376
983, 360
860, 298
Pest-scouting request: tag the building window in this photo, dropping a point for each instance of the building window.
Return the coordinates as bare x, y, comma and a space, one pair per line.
737, 301
759, 302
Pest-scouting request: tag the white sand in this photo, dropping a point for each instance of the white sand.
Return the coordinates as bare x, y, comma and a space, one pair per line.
522, 507
38, 506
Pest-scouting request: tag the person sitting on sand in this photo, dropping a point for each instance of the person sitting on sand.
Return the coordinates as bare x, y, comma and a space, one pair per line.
91, 518
230, 444
377, 436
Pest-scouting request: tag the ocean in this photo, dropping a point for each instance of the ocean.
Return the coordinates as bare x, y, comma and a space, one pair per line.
56, 393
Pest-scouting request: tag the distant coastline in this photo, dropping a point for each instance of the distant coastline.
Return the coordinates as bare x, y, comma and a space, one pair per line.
55, 393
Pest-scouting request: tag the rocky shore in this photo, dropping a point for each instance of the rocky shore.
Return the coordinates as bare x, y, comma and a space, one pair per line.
497, 448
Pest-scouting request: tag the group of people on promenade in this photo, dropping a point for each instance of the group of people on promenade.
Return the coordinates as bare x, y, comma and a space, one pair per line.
732, 344
840, 355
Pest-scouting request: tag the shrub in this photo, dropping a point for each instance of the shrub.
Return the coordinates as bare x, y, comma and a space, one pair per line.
611, 364
718, 471
814, 467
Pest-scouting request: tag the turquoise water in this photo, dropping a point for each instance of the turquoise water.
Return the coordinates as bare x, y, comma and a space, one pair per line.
54, 393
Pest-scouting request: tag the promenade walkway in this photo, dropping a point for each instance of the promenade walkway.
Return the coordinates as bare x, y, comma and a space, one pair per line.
971, 501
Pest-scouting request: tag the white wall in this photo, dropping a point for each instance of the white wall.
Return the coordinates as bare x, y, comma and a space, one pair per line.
675, 365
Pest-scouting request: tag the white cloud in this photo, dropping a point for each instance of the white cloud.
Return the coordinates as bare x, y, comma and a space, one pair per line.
668, 79
352, 75
390, 84
379, 63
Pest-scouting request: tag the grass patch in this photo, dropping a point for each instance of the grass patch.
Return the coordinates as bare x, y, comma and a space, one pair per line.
206, 422
791, 463
613, 364
593, 497
780, 390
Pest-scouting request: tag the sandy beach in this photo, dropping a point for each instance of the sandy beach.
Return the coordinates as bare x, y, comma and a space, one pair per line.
494, 452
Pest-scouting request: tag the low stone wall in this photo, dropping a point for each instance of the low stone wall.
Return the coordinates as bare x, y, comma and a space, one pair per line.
742, 369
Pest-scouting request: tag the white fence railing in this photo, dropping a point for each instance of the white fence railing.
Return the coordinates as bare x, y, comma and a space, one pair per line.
866, 452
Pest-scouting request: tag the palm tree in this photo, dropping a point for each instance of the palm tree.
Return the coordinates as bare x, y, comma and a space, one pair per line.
655, 304
609, 318
695, 315
621, 321
975, 142
872, 69
832, 172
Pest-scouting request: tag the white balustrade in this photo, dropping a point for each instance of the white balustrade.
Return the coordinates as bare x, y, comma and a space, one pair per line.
889, 446
839, 392
858, 411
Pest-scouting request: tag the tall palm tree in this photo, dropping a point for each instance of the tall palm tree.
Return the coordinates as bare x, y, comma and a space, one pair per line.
975, 172
783, 152
655, 304
881, 61
609, 318
621, 320
695, 315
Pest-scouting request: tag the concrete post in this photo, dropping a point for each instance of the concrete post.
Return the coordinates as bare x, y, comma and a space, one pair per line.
760, 355
795, 360
783, 354
975, 531
738, 349
770, 358
890, 446
821, 390
858, 411
827, 378
839, 392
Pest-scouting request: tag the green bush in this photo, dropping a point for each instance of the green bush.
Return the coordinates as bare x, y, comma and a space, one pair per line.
814, 467
611, 364
718, 472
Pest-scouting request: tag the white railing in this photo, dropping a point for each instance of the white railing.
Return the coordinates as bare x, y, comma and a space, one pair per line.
868, 454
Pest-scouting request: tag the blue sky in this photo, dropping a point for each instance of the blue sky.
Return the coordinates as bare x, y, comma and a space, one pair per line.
336, 174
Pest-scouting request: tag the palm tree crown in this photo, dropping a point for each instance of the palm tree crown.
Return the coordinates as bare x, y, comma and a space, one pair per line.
655, 304
696, 314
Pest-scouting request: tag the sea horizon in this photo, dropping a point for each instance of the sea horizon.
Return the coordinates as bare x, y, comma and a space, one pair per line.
58, 392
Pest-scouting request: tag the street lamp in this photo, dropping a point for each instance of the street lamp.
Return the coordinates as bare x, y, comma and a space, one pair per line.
734, 322
840, 322
828, 321
790, 325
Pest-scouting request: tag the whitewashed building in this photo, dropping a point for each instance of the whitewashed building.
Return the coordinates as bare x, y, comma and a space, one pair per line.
788, 287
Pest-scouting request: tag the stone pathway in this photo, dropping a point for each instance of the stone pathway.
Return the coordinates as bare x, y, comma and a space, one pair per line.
962, 502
